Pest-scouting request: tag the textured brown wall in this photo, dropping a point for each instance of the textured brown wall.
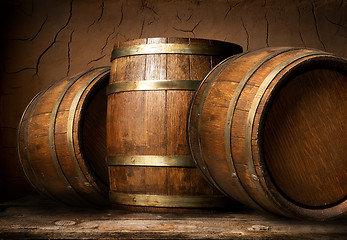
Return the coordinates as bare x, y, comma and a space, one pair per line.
45, 40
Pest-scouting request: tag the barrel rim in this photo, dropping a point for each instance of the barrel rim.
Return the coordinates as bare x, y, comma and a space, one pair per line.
253, 111
97, 81
299, 210
212, 48
182, 38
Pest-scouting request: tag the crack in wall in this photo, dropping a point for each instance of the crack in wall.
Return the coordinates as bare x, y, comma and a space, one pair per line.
334, 23
103, 48
20, 70
68, 53
179, 18
230, 8
32, 38
316, 25
12, 128
100, 16
8, 147
26, 39
95, 60
54, 40
145, 5
37, 33
102, 11
267, 27
191, 31
143, 23
121, 16
300, 34
189, 17
244, 27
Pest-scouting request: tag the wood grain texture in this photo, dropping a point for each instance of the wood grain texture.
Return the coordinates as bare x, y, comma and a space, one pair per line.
311, 112
279, 130
62, 137
34, 218
154, 123
44, 41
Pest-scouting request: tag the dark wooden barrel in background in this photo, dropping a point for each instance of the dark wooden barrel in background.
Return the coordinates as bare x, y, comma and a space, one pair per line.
62, 139
269, 128
151, 86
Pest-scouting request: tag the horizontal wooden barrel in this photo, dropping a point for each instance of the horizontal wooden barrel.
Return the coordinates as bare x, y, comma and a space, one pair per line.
151, 86
268, 127
62, 139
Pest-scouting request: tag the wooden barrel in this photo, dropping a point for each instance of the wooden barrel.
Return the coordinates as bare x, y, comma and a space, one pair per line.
62, 139
151, 86
269, 128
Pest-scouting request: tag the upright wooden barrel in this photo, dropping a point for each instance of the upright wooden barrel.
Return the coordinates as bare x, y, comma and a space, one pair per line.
269, 128
62, 139
151, 86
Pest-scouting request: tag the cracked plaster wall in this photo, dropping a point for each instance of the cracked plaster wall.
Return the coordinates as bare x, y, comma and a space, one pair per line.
45, 40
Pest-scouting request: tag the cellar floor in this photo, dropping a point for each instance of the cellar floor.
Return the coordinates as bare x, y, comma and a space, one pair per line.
34, 217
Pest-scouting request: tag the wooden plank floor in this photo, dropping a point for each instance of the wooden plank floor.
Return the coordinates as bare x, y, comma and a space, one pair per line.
34, 217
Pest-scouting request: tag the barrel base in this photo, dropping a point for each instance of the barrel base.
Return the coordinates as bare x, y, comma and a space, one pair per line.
234, 207
169, 203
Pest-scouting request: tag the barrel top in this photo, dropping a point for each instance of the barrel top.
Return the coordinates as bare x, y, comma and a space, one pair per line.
174, 40
174, 46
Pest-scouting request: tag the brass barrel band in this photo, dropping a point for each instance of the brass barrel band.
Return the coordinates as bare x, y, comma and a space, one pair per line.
215, 71
51, 131
173, 48
173, 201
152, 85
151, 160
230, 117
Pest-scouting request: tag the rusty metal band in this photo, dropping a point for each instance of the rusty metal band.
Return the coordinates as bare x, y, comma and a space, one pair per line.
70, 123
151, 160
36, 183
152, 85
168, 201
172, 48
54, 156
204, 167
229, 120
252, 114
